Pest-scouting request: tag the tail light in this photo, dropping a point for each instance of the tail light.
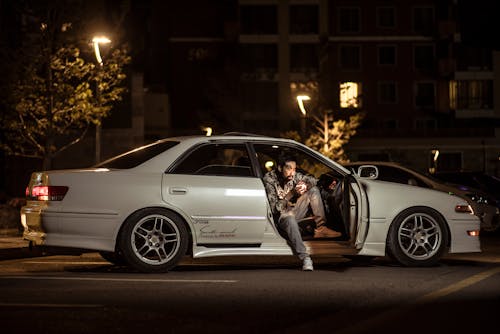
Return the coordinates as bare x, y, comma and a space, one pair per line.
46, 193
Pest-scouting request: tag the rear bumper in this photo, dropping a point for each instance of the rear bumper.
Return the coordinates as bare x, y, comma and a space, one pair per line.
46, 227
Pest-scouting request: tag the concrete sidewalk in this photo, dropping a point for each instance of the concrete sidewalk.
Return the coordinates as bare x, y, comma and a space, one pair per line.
13, 246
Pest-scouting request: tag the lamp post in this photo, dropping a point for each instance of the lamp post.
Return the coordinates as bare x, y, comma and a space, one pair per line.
300, 102
96, 41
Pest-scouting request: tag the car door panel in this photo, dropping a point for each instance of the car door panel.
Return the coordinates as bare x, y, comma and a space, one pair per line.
222, 209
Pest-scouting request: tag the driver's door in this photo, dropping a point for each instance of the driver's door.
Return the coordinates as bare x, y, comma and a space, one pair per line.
355, 210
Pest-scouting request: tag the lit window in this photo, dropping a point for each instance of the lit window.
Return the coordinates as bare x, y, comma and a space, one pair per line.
350, 94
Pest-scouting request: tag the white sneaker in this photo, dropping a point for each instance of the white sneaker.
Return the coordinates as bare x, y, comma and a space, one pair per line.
307, 264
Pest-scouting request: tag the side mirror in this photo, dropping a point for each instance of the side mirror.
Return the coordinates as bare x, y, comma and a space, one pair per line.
368, 172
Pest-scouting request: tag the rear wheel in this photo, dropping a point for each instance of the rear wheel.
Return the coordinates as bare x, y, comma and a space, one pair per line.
417, 237
154, 240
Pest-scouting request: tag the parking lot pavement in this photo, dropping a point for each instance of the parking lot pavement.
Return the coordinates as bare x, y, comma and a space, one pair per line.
13, 246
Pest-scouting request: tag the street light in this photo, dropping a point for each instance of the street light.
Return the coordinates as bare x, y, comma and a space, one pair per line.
300, 102
99, 40
96, 41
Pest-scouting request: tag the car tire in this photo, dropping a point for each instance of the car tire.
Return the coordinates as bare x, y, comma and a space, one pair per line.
115, 258
153, 240
417, 237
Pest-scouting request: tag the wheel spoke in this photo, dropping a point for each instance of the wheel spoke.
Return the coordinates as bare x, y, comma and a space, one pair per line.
158, 224
141, 230
412, 248
432, 231
144, 247
418, 222
406, 232
427, 247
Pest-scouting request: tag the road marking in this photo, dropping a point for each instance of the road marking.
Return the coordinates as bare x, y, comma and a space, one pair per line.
67, 262
458, 286
50, 305
119, 279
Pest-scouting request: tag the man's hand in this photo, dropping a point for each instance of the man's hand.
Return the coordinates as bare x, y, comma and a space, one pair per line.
300, 188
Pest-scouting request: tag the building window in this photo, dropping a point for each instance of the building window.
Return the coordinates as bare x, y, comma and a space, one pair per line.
471, 94
255, 19
259, 57
387, 92
424, 59
259, 98
349, 20
387, 55
425, 124
423, 20
303, 58
386, 17
303, 19
350, 94
350, 57
425, 95
445, 161
392, 124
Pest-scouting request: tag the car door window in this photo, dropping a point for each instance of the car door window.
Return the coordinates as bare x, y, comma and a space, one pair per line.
267, 155
217, 160
397, 175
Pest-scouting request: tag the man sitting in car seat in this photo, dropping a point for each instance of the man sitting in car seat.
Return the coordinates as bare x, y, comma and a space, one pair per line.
291, 194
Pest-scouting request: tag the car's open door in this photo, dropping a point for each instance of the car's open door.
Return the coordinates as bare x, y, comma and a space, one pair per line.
355, 210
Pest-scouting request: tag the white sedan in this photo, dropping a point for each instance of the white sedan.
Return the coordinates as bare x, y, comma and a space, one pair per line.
204, 196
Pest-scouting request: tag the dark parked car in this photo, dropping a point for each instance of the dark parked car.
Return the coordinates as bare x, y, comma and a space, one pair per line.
487, 183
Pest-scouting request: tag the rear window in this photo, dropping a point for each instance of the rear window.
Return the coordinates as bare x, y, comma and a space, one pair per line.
138, 156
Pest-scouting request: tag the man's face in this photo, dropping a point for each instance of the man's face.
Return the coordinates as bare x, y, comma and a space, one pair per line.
288, 170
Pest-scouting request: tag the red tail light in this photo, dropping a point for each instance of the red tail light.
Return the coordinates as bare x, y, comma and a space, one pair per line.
47, 193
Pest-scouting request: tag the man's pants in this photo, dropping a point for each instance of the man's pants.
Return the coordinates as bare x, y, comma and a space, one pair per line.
287, 221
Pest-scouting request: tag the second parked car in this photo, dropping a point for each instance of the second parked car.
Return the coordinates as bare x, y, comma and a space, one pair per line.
479, 180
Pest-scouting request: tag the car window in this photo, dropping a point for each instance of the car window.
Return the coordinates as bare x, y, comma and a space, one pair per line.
216, 159
138, 156
267, 155
393, 174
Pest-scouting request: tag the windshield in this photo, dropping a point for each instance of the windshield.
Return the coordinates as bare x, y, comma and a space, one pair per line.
138, 156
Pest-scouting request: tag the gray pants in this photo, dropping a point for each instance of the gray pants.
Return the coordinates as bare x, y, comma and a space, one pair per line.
287, 221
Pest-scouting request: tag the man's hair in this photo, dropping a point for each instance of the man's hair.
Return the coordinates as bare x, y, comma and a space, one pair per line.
285, 157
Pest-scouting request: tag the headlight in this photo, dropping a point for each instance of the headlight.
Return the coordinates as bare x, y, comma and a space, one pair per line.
478, 198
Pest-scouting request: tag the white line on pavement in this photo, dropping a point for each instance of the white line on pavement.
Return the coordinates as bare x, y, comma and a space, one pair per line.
120, 279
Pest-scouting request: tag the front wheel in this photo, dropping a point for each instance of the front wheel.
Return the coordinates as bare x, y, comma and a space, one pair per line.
154, 240
417, 237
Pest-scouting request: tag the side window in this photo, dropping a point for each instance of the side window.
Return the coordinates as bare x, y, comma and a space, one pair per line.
397, 175
267, 155
216, 159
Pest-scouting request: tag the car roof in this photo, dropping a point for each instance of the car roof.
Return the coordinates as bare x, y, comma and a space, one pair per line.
189, 141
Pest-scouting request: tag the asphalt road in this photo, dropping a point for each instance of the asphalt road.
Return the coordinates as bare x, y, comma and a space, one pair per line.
85, 294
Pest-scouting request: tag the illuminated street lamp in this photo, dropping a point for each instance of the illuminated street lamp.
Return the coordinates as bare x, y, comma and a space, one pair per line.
96, 41
99, 40
208, 131
300, 102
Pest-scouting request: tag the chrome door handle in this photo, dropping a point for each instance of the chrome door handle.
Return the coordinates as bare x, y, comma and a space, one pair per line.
177, 191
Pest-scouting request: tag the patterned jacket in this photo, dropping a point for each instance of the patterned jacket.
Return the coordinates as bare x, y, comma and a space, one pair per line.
276, 193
